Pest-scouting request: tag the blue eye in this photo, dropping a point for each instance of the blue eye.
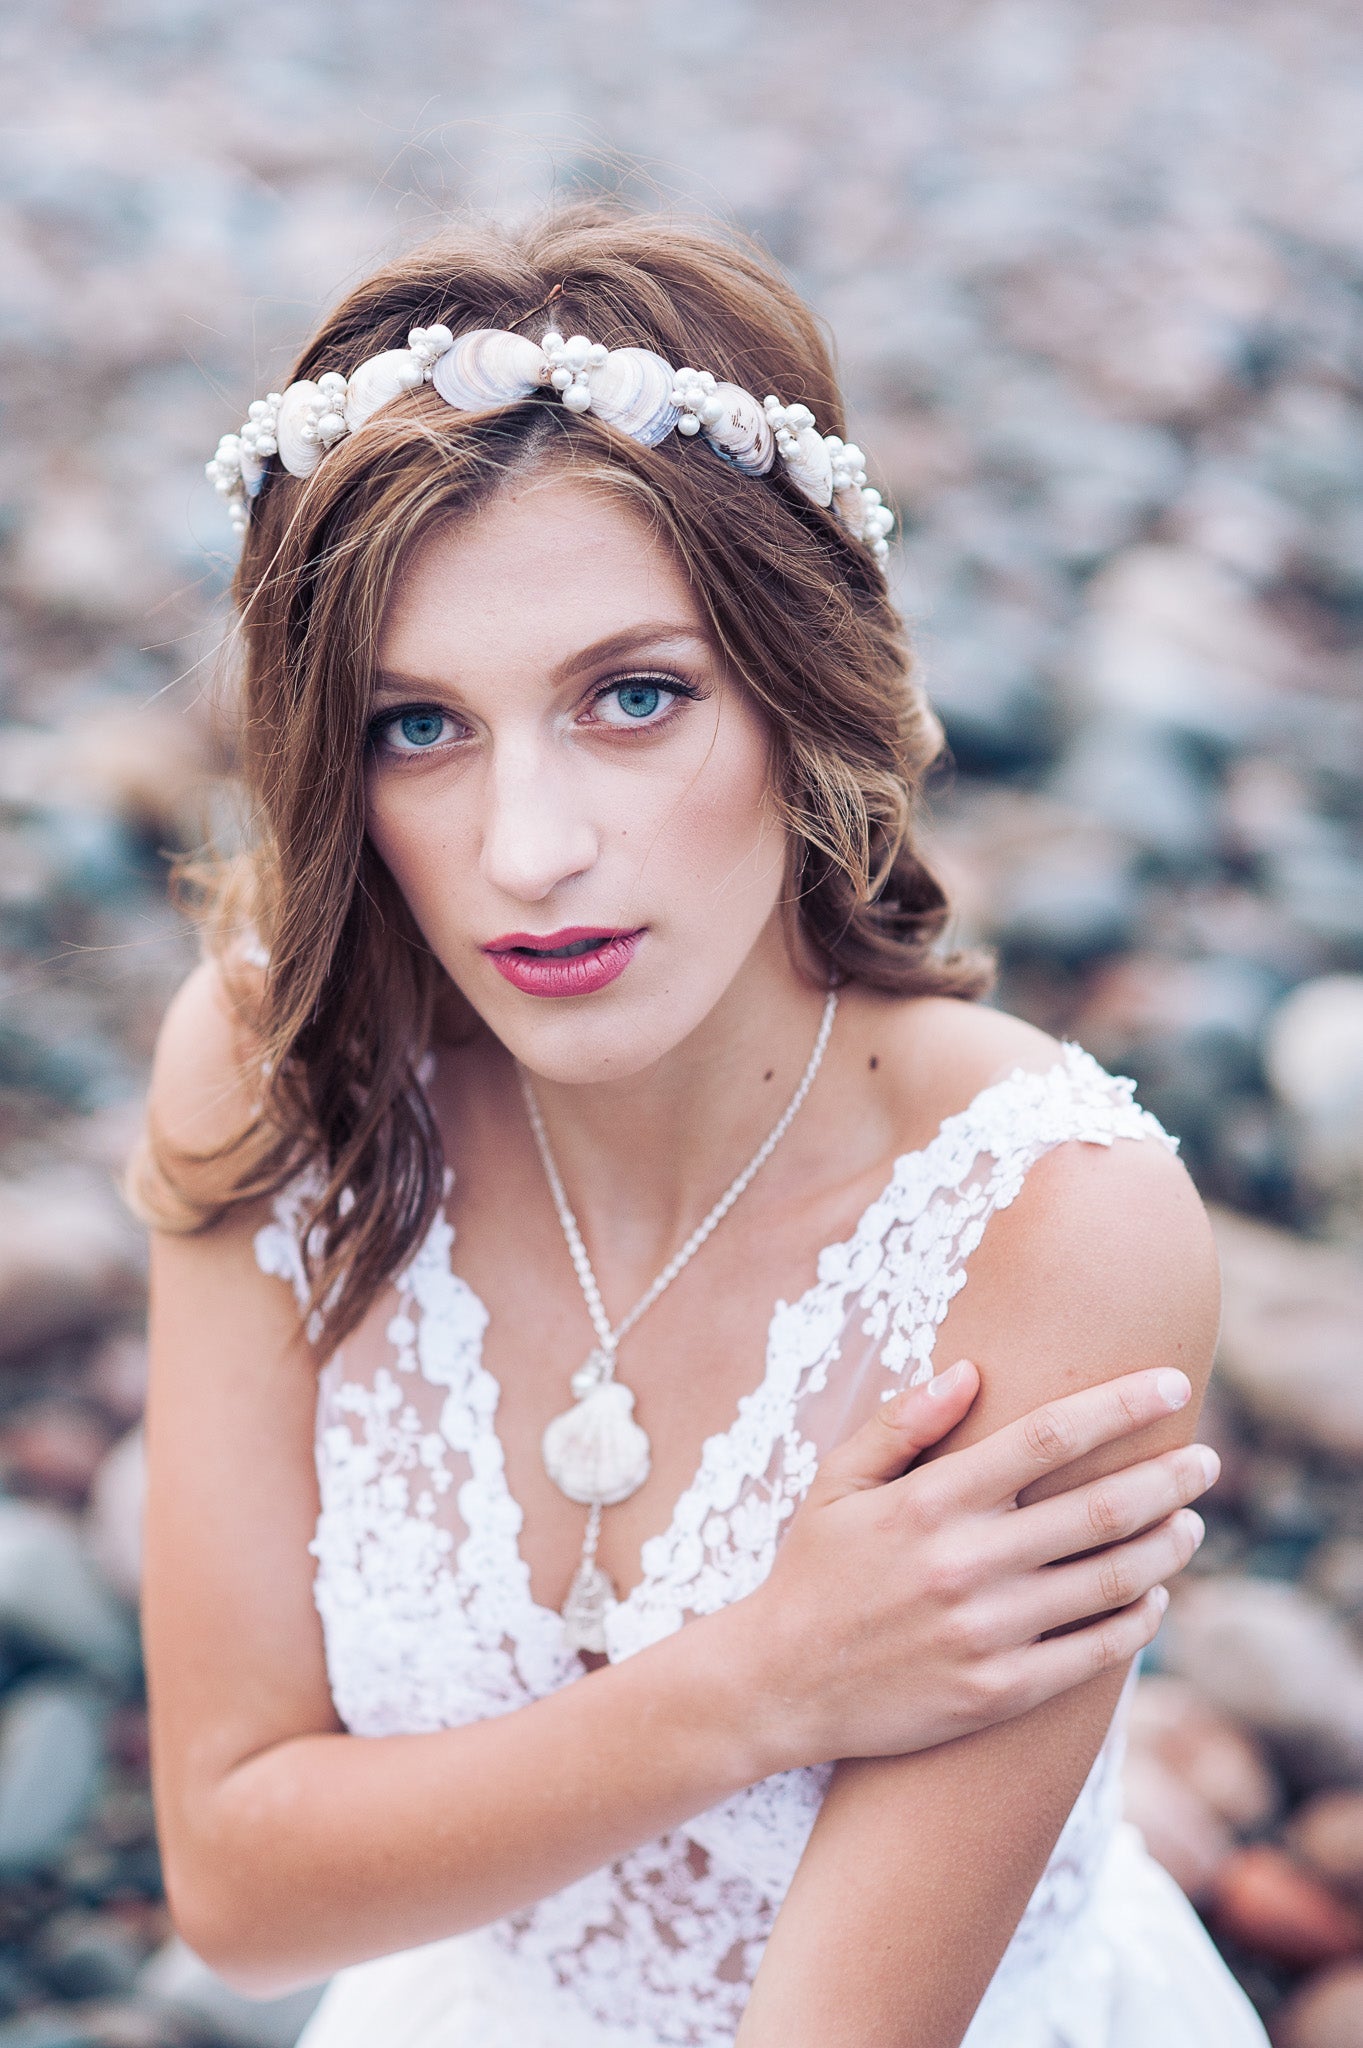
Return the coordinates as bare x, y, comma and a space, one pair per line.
639, 700
421, 728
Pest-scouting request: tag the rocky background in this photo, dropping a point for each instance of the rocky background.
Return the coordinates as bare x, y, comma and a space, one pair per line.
1096, 275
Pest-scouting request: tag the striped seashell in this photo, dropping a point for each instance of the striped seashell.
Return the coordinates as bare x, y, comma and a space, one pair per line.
851, 507
596, 1451
632, 391
489, 367
300, 451
811, 466
743, 436
378, 381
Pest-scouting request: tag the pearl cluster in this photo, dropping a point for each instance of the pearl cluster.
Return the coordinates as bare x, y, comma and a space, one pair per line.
569, 365
632, 390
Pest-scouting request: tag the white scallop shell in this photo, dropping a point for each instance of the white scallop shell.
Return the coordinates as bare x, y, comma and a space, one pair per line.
489, 367
298, 408
632, 390
596, 1451
811, 466
378, 381
743, 436
852, 508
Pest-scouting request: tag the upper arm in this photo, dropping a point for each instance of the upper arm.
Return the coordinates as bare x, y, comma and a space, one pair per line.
919, 1867
233, 1645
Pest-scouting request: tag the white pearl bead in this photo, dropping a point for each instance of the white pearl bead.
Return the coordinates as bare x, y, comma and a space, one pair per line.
688, 424
561, 379
578, 352
577, 398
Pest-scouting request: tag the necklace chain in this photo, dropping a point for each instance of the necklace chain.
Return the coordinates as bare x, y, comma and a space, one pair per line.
607, 1337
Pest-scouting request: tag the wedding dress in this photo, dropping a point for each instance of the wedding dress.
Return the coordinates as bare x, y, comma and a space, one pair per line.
429, 1623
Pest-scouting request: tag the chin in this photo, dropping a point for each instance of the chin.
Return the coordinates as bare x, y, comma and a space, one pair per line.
609, 1036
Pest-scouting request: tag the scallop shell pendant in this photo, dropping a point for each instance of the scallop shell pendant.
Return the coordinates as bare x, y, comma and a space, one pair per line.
632, 391
489, 367
595, 1452
379, 380
743, 436
300, 451
811, 466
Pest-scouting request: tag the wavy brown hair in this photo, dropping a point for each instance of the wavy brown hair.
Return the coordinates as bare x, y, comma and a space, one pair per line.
352, 995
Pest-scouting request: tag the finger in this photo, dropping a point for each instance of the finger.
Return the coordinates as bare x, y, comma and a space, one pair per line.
1065, 1593
997, 1468
889, 1441
1041, 1670
1111, 1509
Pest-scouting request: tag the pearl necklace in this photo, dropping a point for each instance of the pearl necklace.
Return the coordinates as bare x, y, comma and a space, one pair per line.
595, 1452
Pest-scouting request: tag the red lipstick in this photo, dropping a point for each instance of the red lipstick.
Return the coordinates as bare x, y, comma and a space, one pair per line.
576, 961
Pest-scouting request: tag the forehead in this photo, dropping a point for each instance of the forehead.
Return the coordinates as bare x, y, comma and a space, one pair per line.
547, 564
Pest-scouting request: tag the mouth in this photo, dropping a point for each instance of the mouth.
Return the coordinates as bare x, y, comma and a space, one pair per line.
575, 961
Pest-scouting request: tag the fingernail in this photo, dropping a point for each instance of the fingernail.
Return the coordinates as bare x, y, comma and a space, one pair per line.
947, 1382
1194, 1522
1210, 1463
1174, 1387
1161, 1597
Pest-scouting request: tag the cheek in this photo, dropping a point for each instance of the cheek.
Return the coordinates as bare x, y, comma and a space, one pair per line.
723, 830
416, 835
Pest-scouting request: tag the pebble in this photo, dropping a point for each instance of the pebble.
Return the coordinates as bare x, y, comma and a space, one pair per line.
1313, 1055
1325, 2012
1280, 1662
1289, 1347
53, 1601
52, 1449
113, 1521
70, 1258
1327, 1835
1205, 1749
1182, 1831
1271, 1906
51, 1768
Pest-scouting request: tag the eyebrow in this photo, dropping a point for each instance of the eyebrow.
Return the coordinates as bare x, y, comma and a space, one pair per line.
615, 645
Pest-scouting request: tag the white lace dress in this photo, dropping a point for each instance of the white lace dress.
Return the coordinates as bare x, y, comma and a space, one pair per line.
429, 1623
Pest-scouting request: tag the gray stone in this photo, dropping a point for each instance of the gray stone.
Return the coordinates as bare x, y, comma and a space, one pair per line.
113, 1519
52, 1599
1280, 1662
1291, 1343
70, 1258
51, 1767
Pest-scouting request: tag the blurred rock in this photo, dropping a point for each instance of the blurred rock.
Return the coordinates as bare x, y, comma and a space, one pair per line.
116, 1376
1327, 1835
51, 1599
1280, 1662
1135, 779
51, 1766
1336, 1574
143, 764
1314, 1057
113, 1523
1290, 1334
1325, 2012
1204, 1748
176, 1977
1181, 1830
70, 1258
1271, 1906
87, 1955
1173, 638
51, 1449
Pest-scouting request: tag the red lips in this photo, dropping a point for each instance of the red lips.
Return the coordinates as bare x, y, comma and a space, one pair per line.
535, 962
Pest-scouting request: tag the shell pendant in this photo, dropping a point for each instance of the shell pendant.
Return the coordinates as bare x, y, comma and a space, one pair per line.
590, 1598
595, 1452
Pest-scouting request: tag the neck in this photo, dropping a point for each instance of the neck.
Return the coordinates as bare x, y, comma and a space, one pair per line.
645, 1157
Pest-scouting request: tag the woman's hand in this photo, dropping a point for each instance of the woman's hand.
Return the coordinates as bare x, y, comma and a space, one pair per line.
908, 1607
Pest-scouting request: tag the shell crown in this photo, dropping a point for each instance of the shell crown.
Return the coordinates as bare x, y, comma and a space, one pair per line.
632, 389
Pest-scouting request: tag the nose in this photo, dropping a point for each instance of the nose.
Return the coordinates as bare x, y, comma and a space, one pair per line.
536, 832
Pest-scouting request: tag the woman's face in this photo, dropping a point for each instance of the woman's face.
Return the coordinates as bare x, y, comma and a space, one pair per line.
567, 786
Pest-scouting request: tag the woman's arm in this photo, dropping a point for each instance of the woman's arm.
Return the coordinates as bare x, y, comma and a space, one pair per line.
292, 1847
919, 1867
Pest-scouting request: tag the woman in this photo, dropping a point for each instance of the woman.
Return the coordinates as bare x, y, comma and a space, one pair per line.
583, 751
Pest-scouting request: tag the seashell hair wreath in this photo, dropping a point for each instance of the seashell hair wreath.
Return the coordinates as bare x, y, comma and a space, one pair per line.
631, 389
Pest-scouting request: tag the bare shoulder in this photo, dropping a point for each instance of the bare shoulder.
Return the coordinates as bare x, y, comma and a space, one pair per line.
204, 1072
1103, 1262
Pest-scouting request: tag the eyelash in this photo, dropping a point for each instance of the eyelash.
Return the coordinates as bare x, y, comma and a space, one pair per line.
672, 685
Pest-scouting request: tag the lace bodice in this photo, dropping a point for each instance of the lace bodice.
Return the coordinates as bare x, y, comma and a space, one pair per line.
429, 1619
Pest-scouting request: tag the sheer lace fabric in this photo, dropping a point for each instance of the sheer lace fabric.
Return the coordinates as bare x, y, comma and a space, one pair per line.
429, 1622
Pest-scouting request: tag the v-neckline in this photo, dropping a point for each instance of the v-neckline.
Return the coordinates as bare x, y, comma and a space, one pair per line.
836, 1267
